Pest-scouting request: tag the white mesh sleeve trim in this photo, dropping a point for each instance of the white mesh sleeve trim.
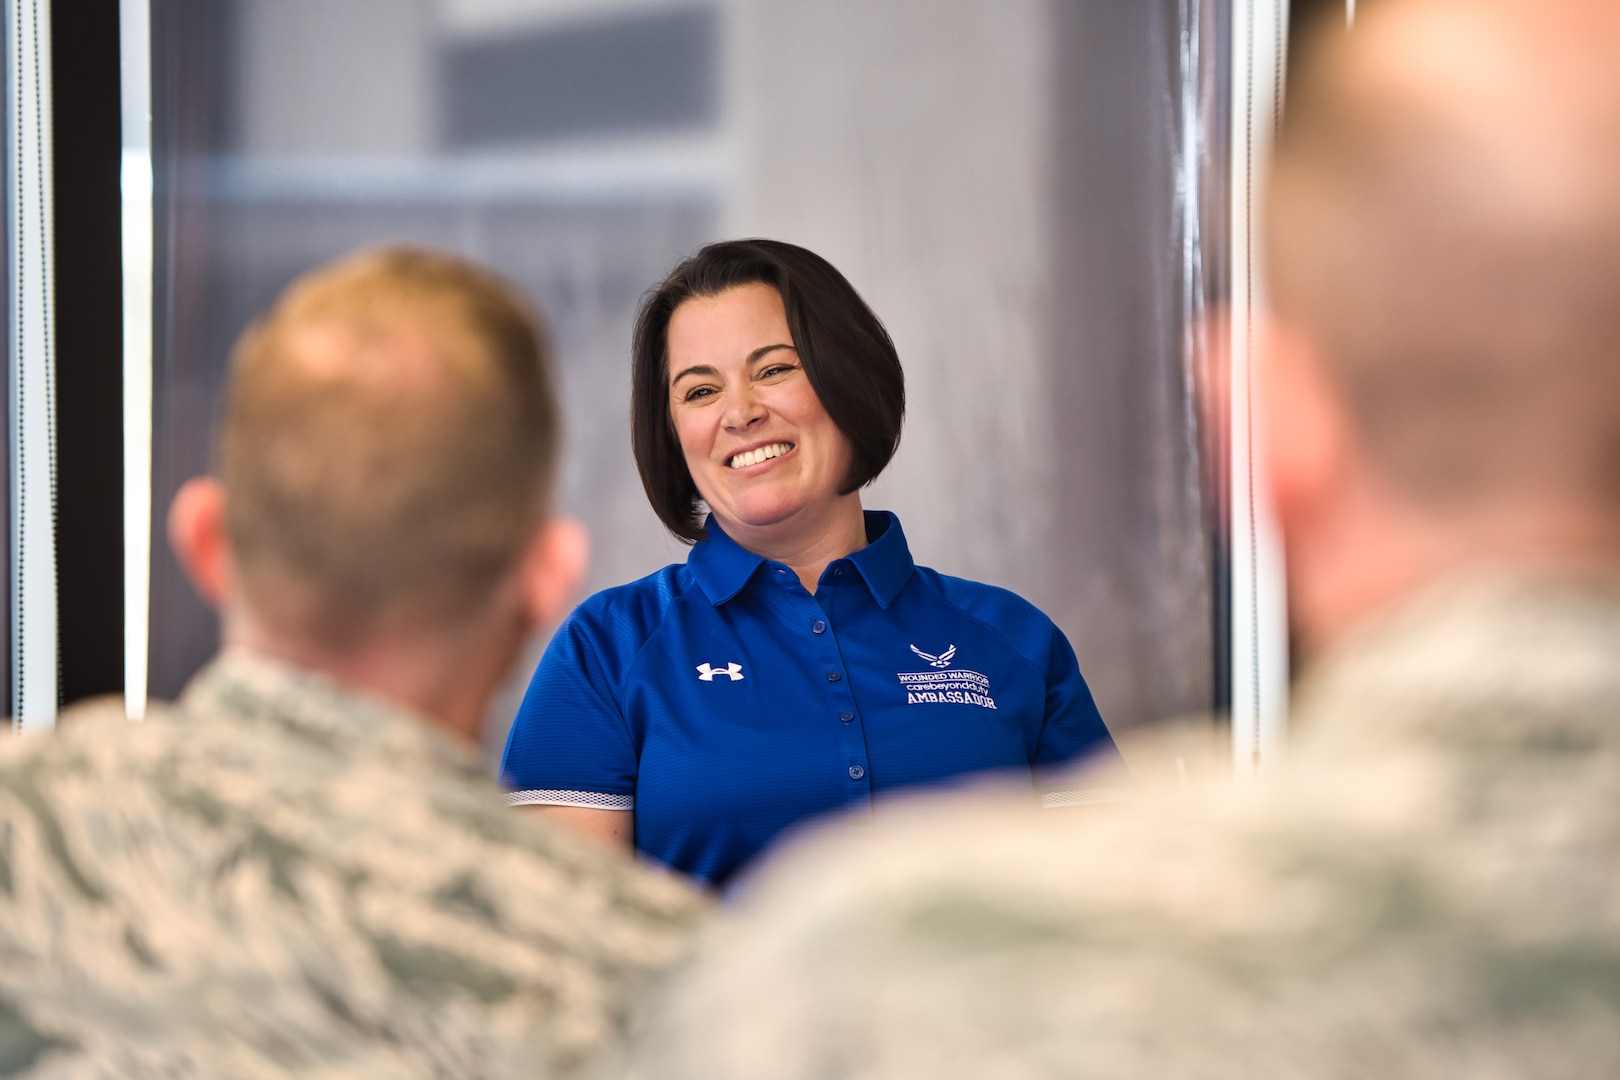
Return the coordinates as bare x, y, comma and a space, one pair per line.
1085, 797
599, 800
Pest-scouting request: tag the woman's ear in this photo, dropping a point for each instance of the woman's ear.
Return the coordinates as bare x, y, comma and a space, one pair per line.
197, 535
553, 568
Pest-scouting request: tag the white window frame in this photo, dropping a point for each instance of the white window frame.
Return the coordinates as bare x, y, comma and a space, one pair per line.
135, 90
1259, 623
35, 679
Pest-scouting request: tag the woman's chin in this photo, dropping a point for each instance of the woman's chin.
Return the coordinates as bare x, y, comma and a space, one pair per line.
755, 521
766, 515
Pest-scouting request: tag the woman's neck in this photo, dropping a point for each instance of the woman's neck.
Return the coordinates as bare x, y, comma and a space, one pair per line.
807, 546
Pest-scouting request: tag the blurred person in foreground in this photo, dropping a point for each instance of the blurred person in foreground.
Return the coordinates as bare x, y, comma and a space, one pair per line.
302, 867
1429, 886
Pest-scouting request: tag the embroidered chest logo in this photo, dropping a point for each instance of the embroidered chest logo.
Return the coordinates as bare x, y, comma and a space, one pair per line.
732, 671
958, 686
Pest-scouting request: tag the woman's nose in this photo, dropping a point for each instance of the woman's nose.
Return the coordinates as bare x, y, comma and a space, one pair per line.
743, 407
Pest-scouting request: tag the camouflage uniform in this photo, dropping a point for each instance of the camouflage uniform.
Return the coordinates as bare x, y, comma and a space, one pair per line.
278, 877
1431, 887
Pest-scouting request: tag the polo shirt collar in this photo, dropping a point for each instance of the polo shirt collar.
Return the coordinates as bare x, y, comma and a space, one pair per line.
885, 562
722, 566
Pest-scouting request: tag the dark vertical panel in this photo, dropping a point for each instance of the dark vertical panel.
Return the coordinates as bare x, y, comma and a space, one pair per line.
1129, 510
1212, 291
191, 111
89, 347
1304, 16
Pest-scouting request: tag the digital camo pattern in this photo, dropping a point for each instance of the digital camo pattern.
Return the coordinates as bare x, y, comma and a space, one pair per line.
1431, 888
277, 878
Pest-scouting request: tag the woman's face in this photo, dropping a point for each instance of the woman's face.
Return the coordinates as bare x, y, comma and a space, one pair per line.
763, 452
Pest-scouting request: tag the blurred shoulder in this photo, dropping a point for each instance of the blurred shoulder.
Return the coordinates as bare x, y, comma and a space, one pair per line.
95, 737
993, 843
296, 868
981, 928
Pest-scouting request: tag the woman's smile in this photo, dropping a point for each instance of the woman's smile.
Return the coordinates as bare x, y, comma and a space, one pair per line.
759, 455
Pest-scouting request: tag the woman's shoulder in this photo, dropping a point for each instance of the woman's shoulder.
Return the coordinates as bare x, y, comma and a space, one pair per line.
975, 595
641, 604
1024, 626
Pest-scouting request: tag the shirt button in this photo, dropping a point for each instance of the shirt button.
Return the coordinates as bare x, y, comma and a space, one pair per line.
838, 571
856, 772
846, 717
818, 627
834, 676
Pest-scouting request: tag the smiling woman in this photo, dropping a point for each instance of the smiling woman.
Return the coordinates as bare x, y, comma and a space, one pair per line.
798, 662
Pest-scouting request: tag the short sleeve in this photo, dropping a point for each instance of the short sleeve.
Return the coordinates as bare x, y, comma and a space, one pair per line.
571, 744
1073, 731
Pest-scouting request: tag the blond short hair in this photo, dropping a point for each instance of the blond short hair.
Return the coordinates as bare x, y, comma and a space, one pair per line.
1444, 217
388, 443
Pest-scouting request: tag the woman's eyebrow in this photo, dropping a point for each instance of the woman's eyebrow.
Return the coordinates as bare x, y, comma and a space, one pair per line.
754, 356
695, 369
709, 369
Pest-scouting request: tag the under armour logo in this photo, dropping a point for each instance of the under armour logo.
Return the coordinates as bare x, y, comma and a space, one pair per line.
731, 671
942, 660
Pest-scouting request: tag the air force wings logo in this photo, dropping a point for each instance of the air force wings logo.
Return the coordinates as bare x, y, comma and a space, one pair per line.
732, 671
958, 686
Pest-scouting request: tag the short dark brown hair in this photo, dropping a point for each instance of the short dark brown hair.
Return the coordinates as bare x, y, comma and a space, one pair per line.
847, 355
389, 438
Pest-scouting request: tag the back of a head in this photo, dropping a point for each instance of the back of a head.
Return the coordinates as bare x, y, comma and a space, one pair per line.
1444, 222
387, 448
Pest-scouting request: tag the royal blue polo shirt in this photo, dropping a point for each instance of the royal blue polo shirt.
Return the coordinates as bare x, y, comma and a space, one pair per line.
722, 702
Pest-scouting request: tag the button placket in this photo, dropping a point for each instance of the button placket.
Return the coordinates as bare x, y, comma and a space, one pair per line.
799, 607
852, 735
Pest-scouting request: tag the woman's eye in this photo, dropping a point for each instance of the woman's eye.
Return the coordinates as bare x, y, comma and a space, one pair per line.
774, 370
697, 393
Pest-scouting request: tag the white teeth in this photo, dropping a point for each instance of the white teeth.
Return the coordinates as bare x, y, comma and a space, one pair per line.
759, 454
